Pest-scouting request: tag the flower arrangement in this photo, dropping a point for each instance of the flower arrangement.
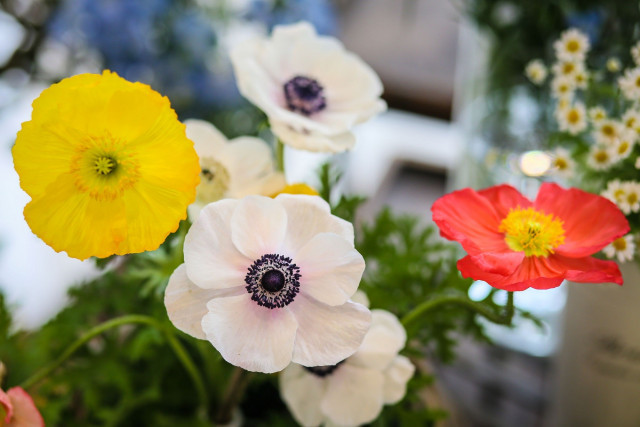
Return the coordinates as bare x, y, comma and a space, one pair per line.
217, 273
596, 126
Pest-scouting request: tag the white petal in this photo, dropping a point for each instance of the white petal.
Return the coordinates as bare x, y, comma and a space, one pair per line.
258, 226
252, 159
327, 335
302, 391
308, 216
186, 303
211, 258
361, 298
354, 395
395, 379
331, 268
254, 338
207, 139
311, 141
383, 341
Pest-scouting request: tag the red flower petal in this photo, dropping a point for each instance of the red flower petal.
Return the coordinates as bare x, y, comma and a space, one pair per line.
5, 401
504, 198
469, 218
591, 222
587, 269
25, 413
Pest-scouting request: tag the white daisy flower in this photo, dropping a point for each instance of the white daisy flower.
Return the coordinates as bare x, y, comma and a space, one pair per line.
623, 248
310, 87
631, 201
637, 164
608, 131
631, 119
597, 114
572, 119
600, 157
230, 169
562, 87
630, 84
623, 147
581, 79
614, 65
573, 45
536, 71
615, 192
562, 164
354, 391
267, 281
567, 68
635, 53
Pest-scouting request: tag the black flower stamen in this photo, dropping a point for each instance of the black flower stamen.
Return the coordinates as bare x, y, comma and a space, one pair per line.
304, 95
323, 371
273, 280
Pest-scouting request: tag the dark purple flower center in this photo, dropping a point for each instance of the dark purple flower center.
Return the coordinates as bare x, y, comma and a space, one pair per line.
273, 280
304, 95
323, 371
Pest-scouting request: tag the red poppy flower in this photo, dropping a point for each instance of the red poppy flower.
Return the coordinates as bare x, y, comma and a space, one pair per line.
18, 410
514, 244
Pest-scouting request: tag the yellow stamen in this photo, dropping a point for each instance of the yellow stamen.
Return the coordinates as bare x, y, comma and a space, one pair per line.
532, 232
104, 165
573, 46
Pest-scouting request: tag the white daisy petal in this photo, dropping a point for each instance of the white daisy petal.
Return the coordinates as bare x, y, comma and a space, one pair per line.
186, 303
396, 378
327, 335
212, 261
258, 226
382, 343
308, 216
331, 268
302, 393
354, 395
254, 338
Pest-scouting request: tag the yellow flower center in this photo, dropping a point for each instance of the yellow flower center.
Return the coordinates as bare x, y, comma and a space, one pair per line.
601, 156
568, 67
573, 46
104, 168
619, 195
620, 244
623, 147
214, 181
560, 163
638, 82
532, 232
608, 130
573, 116
632, 198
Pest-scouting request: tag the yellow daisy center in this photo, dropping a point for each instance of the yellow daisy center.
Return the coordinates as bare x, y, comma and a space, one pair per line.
623, 147
532, 232
601, 156
632, 198
619, 195
568, 67
573, 116
608, 130
560, 163
104, 168
638, 82
620, 244
573, 46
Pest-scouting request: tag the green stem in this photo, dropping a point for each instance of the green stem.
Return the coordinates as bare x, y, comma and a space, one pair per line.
504, 318
175, 345
235, 389
279, 155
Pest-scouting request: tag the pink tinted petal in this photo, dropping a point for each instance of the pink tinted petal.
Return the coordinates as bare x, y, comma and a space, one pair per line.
330, 268
211, 259
504, 198
25, 413
5, 401
254, 338
326, 334
258, 226
469, 218
591, 222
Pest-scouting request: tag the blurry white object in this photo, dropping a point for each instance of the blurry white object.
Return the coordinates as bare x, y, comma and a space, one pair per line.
12, 34
598, 365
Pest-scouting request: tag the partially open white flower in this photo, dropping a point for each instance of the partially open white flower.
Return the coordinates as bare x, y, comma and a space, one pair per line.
230, 169
354, 391
536, 71
631, 120
630, 84
573, 45
623, 248
268, 281
572, 119
310, 87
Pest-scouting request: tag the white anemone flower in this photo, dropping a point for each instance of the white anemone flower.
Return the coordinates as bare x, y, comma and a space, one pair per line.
562, 164
630, 84
230, 169
623, 248
354, 391
573, 45
268, 281
312, 90
536, 71
572, 119
600, 157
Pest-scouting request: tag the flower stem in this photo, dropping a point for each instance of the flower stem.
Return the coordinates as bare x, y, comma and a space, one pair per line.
279, 155
235, 389
175, 345
504, 318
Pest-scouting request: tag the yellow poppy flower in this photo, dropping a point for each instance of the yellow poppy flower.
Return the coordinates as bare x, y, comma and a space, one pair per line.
297, 188
107, 164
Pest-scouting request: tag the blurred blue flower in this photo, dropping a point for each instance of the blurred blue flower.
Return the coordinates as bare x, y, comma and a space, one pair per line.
320, 13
